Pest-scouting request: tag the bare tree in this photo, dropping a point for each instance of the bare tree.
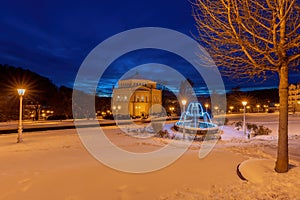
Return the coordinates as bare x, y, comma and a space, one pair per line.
254, 39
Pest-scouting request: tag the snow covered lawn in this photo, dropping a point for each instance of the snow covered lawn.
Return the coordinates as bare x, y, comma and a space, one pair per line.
55, 165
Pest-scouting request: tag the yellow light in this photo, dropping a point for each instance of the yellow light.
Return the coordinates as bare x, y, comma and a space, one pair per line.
183, 102
21, 92
244, 103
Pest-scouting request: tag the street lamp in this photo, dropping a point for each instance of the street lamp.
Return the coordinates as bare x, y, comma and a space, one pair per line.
183, 103
21, 93
258, 106
244, 122
183, 125
231, 108
217, 109
206, 106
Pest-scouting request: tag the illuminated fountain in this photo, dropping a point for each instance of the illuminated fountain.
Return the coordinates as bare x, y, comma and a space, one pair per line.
194, 120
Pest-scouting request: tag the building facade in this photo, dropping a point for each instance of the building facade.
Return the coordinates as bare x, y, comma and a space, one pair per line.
136, 97
294, 97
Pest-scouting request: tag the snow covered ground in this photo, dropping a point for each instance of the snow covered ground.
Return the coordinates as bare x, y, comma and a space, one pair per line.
55, 165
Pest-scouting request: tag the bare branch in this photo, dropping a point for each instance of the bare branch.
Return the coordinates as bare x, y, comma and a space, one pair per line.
246, 36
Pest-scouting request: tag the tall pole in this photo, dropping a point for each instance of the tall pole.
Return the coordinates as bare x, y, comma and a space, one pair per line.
244, 121
21, 92
183, 125
206, 106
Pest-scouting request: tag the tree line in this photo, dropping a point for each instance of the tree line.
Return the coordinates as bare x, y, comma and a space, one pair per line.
41, 94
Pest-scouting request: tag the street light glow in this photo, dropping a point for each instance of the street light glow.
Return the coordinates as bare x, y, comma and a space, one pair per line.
244, 103
21, 92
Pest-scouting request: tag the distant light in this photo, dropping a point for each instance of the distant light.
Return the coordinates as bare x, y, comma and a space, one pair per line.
183, 102
244, 103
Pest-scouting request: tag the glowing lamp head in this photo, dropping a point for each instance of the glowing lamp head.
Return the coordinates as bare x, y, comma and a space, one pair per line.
21, 92
244, 103
183, 102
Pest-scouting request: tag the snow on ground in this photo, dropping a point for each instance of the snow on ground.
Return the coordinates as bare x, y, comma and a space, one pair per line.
55, 165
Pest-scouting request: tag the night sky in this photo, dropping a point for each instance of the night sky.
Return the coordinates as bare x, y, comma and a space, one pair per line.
53, 38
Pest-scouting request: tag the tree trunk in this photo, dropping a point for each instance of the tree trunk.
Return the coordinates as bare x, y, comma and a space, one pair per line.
282, 162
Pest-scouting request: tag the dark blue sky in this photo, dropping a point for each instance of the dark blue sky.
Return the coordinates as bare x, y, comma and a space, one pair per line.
52, 38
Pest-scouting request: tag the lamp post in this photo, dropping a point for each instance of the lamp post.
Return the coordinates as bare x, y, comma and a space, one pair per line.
21, 93
217, 109
231, 108
183, 125
206, 106
244, 121
258, 106
183, 103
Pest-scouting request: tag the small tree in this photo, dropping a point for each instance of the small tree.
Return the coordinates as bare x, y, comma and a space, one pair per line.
254, 39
